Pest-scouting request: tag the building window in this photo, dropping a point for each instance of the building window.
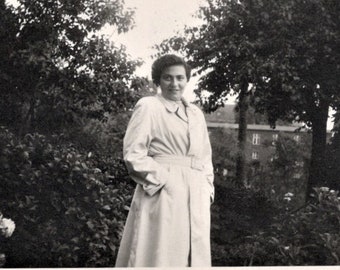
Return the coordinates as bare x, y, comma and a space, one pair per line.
297, 138
256, 139
255, 155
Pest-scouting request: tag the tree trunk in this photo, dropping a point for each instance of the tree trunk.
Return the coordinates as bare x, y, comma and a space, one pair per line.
319, 135
333, 155
28, 120
242, 136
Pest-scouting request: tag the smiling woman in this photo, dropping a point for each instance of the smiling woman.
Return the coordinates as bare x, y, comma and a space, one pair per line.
171, 73
168, 154
173, 82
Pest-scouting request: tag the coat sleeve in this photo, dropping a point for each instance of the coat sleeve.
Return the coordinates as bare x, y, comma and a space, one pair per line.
207, 160
141, 167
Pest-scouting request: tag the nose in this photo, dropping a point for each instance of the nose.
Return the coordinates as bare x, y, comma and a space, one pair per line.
174, 82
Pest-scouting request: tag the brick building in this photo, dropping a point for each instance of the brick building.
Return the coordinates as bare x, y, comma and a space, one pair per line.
260, 136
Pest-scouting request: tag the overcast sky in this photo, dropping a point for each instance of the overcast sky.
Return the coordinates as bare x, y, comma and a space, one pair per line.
156, 20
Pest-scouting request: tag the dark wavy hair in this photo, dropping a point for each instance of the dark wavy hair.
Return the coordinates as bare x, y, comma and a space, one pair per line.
166, 61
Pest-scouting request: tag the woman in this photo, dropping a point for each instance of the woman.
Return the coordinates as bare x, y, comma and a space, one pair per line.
167, 152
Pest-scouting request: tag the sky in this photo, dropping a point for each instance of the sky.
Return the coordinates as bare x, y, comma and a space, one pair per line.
156, 20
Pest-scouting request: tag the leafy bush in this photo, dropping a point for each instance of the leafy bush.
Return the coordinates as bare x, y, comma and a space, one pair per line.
224, 153
307, 236
237, 213
104, 138
68, 206
285, 172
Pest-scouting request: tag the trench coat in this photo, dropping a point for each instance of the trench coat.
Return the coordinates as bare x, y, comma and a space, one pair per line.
168, 155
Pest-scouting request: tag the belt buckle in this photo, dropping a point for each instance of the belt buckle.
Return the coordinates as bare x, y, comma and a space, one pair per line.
196, 164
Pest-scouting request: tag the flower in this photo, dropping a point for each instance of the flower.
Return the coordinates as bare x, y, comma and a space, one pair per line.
7, 227
288, 196
324, 189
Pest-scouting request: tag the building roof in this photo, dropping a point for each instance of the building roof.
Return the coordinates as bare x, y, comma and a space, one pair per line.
256, 127
224, 114
227, 117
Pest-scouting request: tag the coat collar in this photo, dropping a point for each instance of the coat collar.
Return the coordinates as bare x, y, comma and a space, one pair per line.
172, 106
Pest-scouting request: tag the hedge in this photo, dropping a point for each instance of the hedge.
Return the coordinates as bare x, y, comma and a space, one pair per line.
69, 206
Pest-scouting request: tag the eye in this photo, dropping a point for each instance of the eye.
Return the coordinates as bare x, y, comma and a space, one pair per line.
181, 78
166, 77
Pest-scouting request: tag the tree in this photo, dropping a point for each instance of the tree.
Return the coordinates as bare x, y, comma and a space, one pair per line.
286, 50
286, 170
224, 53
56, 69
223, 144
69, 205
333, 155
301, 77
8, 26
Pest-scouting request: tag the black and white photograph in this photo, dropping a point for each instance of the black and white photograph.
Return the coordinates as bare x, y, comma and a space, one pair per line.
170, 134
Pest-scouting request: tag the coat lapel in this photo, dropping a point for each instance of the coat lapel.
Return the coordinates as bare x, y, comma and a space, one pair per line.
172, 107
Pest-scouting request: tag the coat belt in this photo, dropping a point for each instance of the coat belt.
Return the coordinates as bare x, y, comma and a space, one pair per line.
185, 161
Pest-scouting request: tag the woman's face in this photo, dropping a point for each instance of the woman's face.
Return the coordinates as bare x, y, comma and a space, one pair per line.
173, 82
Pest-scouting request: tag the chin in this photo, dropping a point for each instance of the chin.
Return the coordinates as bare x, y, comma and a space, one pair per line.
176, 98
173, 96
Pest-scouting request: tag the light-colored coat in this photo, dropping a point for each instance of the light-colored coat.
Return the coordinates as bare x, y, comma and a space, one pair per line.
168, 153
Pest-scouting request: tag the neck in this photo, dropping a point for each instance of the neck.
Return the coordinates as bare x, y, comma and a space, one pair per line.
176, 101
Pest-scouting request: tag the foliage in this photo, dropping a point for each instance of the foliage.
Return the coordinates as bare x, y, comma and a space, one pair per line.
224, 50
106, 137
266, 43
54, 67
69, 206
309, 236
102, 138
224, 149
288, 52
303, 82
249, 230
237, 212
286, 171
